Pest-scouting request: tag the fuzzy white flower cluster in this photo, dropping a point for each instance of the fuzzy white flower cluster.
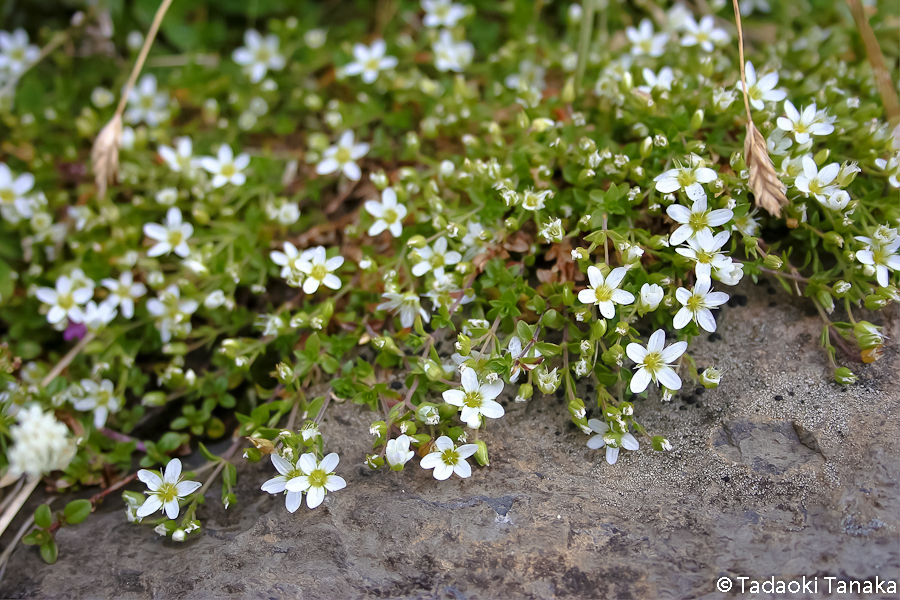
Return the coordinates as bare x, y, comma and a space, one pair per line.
40, 443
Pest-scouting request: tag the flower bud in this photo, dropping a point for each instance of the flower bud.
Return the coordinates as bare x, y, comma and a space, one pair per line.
525, 392
481, 455
463, 344
548, 381
875, 302
835, 239
651, 296
615, 356
178, 535
285, 373
773, 262
598, 329
576, 408
845, 376
821, 156
373, 461
697, 120
646, 147
541, 125
252, 455
867, 335
710, 378
661, 444
825, 300
378, 429
433, 371
567, 96
380, 179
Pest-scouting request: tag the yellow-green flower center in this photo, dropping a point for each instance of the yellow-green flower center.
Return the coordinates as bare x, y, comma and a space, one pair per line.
318, 272
390, 215
7, 195
228, 170
343, 155
603, 293
175, 237
450, 457
317, 478
473, 399
695, 303
167, 492
653, 361
698, 221
65, 301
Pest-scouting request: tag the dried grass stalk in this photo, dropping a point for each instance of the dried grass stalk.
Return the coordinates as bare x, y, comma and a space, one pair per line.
105, 154
767, 188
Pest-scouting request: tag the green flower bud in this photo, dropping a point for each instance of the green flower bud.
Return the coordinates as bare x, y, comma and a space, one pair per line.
646, 147
378, 429
522, 120
821, 156
481, 455
380, 179
773, 262
548, 381
285, 373
525, 392
661, 444
825, 300
598, 329
568, 92
157, 398
710, 378
835, 239
373, 461
867, 335
511, 223
875, 302
697, 120
845, 376
253, 454
433, 371
615, 356
463, 344
576, 408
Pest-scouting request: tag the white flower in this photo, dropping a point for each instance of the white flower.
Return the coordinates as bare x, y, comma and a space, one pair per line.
805, 124
689, 179
370, 60
442, 13
165, 490
226, 168
530, 75
706, 34
762, 90
704, 250
96, 317
388, 214
891, 167
180, 158
277, 485
407, 305
604, 292
282, 211
653, 362
883, 257
173, 314
696, 304
99, 398
730, 274
316, 478
748, 6
398, 452
662, 81
450, 55
651, 296
446, 459
343, 157
16, 54
532, 200
435, 258
123, 292
67, 298
604, 438
514, 346
258, 55
288, 261
678, 16
697, 219
777, 143
644, 41
40, 443
476, 400
318, 269
816, 182
170, 236
145, 104
13, 190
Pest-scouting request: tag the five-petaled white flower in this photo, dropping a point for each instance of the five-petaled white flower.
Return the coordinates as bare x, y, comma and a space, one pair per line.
258, 55
882, 256
704, 33
476, 399
405, 304
690, 179
663, 80
805, 124
67, 298
98, 316
704, 249
398, 452
172, 236
816, 182
165, 490
123, 292
604, 292
696, 304
442, 13
653, 362
890, 166
343, 157
145, 104
532, 200
450, 55
318, 269
16, 53
612, 442
695, 220
226, 167
13, 189
277, 485
762, 90
288, 261
435, 258
317, 477
446, 459
370, 61
100, 398
388, 214
645, 41
179, 159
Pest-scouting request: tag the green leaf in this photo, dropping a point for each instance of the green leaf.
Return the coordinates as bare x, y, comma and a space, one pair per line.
77, 511
42, 517
206, 453
49, 552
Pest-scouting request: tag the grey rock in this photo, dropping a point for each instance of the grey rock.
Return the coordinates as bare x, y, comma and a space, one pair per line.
777, 473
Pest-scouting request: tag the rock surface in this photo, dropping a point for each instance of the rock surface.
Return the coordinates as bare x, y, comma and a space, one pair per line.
779, 472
